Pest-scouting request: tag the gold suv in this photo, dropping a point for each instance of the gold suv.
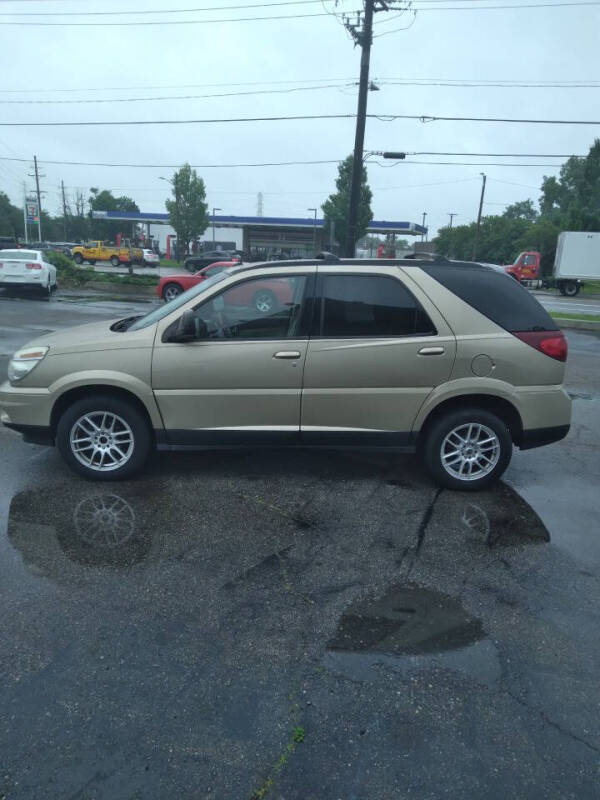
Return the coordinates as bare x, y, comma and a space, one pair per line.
453, 360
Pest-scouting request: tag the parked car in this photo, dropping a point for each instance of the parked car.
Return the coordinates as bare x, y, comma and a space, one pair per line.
27, 269
194, 263
453, 360
150, 258
171, 286
102, 251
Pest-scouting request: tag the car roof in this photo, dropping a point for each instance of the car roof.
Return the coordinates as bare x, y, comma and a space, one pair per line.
363, 263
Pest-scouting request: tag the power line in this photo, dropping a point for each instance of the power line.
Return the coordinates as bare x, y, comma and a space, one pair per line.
277, 164
163, 22
495, 155
288, 90
158, 11
174, 166
414, 8
431, 81
229, 120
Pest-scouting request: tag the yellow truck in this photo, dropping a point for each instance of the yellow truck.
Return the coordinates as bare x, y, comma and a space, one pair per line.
103, 251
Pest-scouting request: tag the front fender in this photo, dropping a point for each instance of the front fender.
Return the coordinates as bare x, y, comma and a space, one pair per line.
119, 380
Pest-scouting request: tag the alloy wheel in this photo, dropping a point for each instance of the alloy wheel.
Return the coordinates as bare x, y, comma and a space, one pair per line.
470, 451
171, 292
263, 302
102, 441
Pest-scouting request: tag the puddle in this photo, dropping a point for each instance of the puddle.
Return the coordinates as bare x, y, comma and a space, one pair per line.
101, 529
411, 628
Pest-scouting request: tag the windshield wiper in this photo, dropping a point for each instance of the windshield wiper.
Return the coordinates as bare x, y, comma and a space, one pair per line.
123, 324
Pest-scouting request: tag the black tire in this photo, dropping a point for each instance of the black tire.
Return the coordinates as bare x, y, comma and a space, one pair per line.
561, 289
435, 438
47, 291
571, 289
171, 291
91, 261
78, 258
141, 436
114, 260
264, 301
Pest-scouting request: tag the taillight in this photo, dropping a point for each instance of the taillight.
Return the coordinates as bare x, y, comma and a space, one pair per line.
33, 266
551, 343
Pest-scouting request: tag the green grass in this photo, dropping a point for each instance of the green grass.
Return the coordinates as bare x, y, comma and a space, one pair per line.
575, 315
591, 287
129, 280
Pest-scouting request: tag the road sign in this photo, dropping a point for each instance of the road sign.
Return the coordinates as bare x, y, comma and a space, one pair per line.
32, 211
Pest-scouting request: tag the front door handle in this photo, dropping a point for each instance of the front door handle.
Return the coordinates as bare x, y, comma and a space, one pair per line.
431, 351
287, 354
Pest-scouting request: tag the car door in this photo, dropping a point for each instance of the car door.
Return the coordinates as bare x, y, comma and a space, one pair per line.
239, 380
377, 349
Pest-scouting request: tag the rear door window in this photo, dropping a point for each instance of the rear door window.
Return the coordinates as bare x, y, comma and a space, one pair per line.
498, 297
369, 306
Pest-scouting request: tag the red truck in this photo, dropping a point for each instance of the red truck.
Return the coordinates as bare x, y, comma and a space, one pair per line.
526, 266
577, 259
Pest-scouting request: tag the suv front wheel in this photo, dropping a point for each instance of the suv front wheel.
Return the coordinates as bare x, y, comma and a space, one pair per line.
467, 449
103, 438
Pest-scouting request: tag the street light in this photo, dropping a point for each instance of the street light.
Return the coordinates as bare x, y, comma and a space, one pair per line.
213, 221
314, 230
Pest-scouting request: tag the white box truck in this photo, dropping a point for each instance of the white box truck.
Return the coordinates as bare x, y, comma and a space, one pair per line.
577, 260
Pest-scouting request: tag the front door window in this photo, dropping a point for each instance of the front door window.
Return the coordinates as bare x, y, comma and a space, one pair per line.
259, 308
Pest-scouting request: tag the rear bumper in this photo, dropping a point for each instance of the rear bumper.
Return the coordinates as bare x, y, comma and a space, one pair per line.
30, 283
537, 437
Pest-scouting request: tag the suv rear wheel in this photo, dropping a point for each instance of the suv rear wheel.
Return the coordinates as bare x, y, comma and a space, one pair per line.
467, 449
103, 438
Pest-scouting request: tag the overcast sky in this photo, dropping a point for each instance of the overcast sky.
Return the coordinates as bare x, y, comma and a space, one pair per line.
517, 44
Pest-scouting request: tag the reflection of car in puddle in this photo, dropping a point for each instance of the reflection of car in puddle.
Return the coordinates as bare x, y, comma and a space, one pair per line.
411, 627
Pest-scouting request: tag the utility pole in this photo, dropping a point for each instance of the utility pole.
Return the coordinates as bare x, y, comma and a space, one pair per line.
314, 231
423, 239
484, 178
451, 217
64, 204
259, 204
25, 212
39, 199
364, 39
213, 221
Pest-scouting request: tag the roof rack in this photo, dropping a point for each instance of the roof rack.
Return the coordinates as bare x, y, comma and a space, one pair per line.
331, 258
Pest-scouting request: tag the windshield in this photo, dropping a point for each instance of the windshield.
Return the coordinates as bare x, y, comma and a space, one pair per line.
167, 308
20, 255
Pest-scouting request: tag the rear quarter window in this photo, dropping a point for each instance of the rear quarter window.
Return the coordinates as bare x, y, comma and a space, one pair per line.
495, 295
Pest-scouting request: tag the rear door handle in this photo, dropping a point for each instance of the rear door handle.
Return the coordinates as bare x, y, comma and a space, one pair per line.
287, 354
431, 351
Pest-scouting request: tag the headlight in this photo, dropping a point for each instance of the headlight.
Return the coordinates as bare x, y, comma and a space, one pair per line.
24, 361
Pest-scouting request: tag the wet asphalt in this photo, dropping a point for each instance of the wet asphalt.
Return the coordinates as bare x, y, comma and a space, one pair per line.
320, 626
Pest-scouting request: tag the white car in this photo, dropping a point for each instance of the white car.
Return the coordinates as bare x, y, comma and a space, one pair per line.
151, 259
27, 269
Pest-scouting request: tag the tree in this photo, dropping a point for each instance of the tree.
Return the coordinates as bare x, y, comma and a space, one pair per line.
188, 211
11, 218
104, 200
522, 209
336, 207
